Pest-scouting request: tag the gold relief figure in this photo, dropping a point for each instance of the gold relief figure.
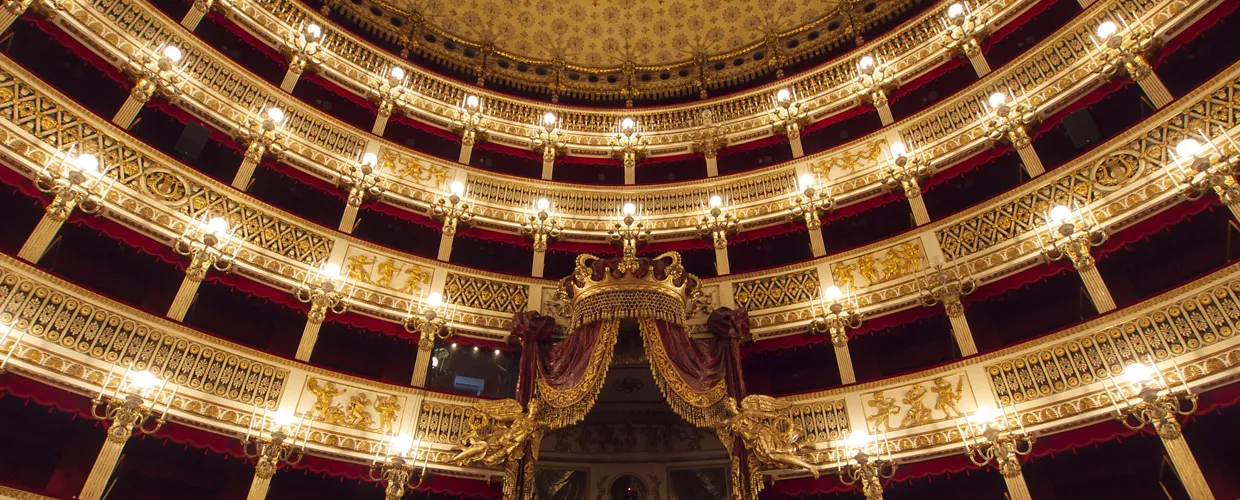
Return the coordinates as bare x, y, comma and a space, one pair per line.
948, 396
865, 265
917, 414
501, 434
358, 268
847, 162
387, 408
324, 396
415, 275
886, 408
842, 274
356, 414
387, 270
901, 261
762, 423
410, 168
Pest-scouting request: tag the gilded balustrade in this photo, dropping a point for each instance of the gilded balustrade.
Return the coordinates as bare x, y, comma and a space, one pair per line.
158, 197
322, 146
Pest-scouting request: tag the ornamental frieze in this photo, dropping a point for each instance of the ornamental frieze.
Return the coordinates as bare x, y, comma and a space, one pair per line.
350, 406
943, 398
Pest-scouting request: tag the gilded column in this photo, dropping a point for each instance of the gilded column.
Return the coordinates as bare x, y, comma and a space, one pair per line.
185, 294
1017, 489
1186, 467
105, 464
844, 359
422, 365
712, 165
39, 239
960, 326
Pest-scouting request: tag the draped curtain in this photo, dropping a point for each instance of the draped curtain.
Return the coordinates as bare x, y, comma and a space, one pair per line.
567, 375
696, 375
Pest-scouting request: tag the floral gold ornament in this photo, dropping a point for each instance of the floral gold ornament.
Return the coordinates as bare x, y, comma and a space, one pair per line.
157, 72
991, 436
907, 171
628, 143
1124, 46
470, 122
431, 320
770, 436
396, 462
1207, 167
76, 182
787, 117
364, 180
263, 136
708, 138
1070, 234
131, 405
630, 232
280, 442
389, 93
859, 459
963, 31
304, 48
837, 313
874, 80
452, 209
1008, 120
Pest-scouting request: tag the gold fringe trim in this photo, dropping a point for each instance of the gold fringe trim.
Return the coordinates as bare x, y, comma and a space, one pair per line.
565, 407
629, 303
699, 409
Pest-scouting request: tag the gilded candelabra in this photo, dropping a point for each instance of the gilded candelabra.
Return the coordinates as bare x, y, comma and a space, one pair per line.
1127, 49
325, 290
1209, 169
1072, 234
629, 144
811, 201
273, 445
906, 172
389, 91
1142, 397
304, 48
156, 73
963, 30
395, 464
262, 135
788, 115
208, 244
540, 226
469, 121
363, 179
865, 464
545, 137
945, 285
1008, 120
629, 232
430, 320
453, 210
717, 223
75, 182
839, 313
988, 438
873, 80
131, 405
708, 136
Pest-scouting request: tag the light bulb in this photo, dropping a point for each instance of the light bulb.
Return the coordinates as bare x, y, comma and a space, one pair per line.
629, 209
143, 380
543, 204
475, 348
1188, 148
986, 414
548, 119
866, 62
370, 159
898, 149
313, 31
783, 95
497, 352
435, 299
275, 114
283, 417
858, 440
172, 53
955, 10
217, 225
807, 180
456, 188
834, 293
1106, 30
86, 163
997, 99
1060, 213
627, 123
471, 101
715, 201
401, 444
398, 73
1138, 372
331, 270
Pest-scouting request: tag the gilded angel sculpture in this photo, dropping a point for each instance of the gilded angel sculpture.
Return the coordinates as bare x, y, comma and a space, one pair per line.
501, 434
763, 425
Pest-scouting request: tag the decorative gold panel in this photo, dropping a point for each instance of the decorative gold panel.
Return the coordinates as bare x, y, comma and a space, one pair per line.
823, 421
480, 293
775, 291
54, 315
402, 278
346, 405
1191, 324
939, 399
877, 267
443, 422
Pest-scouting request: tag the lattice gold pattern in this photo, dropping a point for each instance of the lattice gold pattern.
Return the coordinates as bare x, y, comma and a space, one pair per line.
776, 291
481, 293
823, 421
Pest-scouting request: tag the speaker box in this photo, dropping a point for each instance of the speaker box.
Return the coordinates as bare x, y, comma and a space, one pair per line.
1081, 129
192, 140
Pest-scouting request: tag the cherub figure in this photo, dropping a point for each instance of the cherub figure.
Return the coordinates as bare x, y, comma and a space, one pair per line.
885, 409
388, 269
948, 397
358, 268
762, 424
356, 414
500, 436
324, 395
387, 408
917, 412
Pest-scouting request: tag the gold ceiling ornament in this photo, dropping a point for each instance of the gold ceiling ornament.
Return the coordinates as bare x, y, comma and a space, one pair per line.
545, 136
263, 134
1208, 167
208, 242
1125, 47
452, 209
430, 320
963, 30
541, 226
628, 143
874, 79
992, 436
304, 47
469, 120
709, 136
811, 201
717, 222
131, 405
1008, 120
772, 438
391, 91
325, 290
395, 463
1142, 396
838, 311
606, 289
859, 459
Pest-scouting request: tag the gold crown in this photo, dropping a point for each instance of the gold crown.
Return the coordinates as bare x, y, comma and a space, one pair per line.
613, 288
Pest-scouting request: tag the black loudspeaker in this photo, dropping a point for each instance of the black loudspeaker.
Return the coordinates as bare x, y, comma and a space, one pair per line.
192, 140
1081, 128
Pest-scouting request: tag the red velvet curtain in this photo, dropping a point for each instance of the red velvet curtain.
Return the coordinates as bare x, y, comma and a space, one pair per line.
566, 375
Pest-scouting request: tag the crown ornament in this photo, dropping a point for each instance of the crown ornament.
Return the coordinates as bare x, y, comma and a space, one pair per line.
626, 287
